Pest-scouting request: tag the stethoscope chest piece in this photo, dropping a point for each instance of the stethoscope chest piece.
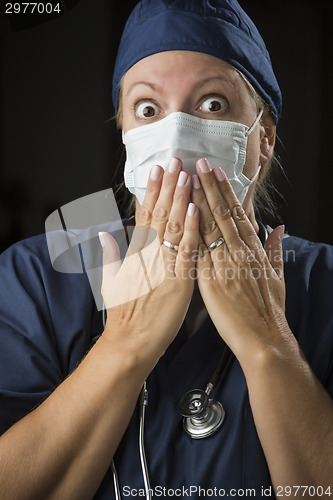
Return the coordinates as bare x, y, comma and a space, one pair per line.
202, 416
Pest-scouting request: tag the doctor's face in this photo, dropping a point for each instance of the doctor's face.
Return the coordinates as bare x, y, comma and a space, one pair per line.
191, 82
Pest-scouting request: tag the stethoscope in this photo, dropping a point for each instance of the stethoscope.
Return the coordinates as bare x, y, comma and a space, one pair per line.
202, 416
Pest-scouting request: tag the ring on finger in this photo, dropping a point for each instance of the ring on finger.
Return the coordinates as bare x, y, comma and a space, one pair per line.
216, 244
170, 245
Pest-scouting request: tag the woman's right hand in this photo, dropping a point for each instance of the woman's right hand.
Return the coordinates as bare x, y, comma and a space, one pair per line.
64, 447
147, 295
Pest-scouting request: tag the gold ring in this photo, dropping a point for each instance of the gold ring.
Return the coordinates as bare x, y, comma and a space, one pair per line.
216, 244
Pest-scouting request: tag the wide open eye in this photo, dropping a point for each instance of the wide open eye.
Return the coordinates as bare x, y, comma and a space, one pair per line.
213, 104
147, 109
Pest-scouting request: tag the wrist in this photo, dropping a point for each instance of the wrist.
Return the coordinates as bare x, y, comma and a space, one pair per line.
271, 354
129, 354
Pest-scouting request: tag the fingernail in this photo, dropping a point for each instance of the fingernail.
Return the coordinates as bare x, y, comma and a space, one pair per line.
174, 165
195, 182
204, 165
102, 238
280, 231
155, 173
191, 209
182, 178
219, 174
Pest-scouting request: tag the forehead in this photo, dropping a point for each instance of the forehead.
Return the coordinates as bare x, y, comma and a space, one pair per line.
167, 68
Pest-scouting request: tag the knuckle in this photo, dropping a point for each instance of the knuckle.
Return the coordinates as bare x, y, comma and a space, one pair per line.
211, 181
154, 189
144, 215
208, 227
238, 212
173, 227
202, 250
199, 197
221, 212
160, 214
187, 249
181, 197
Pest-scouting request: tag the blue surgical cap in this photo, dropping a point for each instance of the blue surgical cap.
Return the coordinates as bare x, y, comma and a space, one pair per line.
220, 28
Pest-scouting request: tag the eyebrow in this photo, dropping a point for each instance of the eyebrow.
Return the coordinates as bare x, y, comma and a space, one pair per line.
200, 84
147, 84
215, 77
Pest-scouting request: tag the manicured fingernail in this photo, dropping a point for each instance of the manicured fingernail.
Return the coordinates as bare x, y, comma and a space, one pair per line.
204, 165
195, 182
155, 173
102, 238
191, 209
219, 174
174, 165
280, 231
182, 178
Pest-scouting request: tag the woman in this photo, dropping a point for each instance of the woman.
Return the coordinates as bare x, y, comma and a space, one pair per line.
277, 429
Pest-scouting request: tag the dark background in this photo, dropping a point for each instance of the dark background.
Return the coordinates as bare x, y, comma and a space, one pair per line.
58, 142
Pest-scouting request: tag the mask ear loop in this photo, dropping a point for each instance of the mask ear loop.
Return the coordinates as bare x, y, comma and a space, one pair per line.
248, 133
255, 123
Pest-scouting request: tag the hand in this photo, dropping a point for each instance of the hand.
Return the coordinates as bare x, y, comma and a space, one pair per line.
241, 284
147, 295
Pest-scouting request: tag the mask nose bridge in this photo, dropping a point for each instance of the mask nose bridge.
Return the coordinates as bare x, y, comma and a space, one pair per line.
174, 135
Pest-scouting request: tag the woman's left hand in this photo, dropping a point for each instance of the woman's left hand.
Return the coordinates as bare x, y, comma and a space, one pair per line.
243, 289
241, 283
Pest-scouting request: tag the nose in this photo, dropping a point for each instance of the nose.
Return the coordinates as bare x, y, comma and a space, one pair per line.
179, 102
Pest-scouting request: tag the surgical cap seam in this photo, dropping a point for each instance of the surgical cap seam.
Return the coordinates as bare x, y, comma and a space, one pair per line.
202, 12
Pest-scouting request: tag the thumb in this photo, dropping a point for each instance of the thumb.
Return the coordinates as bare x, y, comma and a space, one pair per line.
111, 252
274, 250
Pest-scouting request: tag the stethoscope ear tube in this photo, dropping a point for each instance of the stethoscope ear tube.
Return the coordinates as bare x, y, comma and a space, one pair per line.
220, 367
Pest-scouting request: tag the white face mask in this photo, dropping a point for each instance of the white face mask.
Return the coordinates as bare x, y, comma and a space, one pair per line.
188, 138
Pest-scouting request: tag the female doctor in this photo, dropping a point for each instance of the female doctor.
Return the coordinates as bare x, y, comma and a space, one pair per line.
198, 104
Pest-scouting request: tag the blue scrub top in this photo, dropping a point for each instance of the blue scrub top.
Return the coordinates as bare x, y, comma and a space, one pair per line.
48, 319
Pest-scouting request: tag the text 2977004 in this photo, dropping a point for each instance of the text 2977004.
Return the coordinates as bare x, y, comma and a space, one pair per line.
32, 8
